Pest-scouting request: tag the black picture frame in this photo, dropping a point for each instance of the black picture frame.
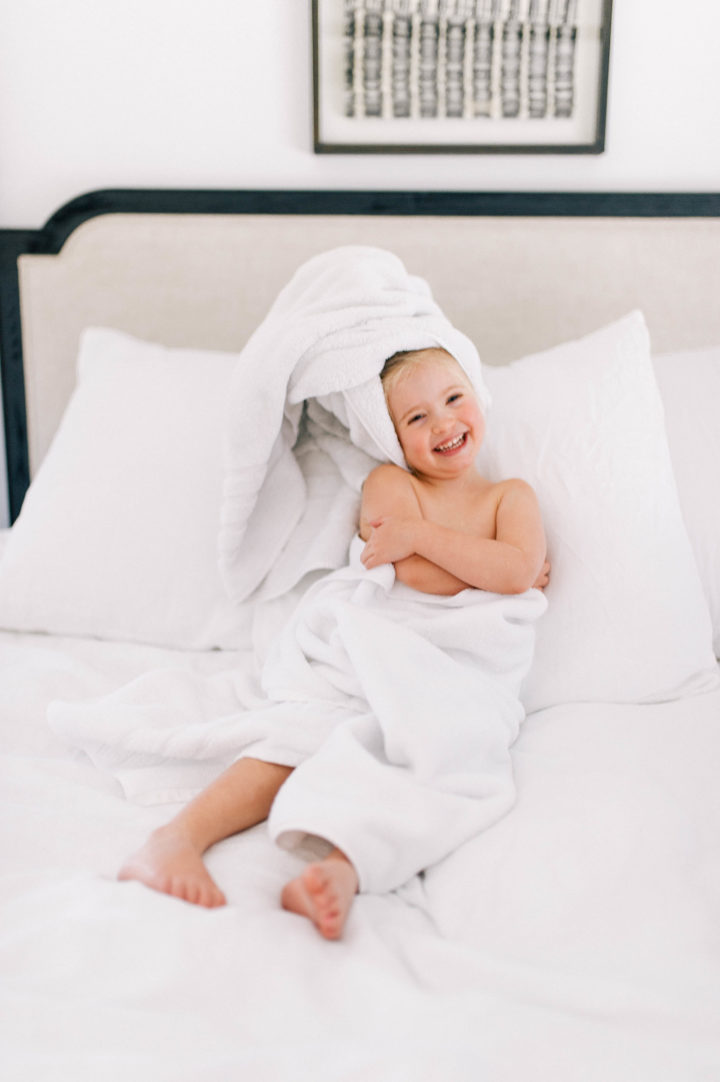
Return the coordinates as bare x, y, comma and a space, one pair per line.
460, 76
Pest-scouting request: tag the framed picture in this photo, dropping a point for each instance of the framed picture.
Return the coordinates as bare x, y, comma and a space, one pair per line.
460, 76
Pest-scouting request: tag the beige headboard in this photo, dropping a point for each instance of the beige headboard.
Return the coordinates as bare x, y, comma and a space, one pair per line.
515, 284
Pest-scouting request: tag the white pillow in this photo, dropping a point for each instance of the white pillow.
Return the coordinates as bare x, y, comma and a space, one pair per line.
689, 383
583, 423
117, 537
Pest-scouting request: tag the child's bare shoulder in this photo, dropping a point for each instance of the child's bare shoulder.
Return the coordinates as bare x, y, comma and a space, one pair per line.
387, 474
516, 502
388, 481
513, 487
387, 489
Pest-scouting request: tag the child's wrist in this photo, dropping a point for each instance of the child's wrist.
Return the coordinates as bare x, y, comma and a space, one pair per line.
421, 536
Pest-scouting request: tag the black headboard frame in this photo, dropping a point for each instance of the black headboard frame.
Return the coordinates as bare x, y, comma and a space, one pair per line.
50, 238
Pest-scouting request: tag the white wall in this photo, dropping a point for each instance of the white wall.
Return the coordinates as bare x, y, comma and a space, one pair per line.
176, 93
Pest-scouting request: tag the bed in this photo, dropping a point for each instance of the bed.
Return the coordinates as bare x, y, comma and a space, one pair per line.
576, 938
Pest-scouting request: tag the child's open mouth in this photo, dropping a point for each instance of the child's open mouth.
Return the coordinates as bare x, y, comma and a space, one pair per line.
452, 445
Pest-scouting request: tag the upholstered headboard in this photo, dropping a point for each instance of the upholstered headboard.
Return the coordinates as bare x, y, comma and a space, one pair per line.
517, 273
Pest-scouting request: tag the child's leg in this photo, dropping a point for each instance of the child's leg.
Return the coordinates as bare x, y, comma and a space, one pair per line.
324, 893
171, 859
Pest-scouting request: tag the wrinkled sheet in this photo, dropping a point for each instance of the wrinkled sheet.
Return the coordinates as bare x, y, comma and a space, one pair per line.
575, 939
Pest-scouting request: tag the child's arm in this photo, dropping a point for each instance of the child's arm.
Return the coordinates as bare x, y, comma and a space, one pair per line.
510, 564
389, 489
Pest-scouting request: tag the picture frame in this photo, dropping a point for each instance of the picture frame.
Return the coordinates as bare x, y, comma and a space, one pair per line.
460, 76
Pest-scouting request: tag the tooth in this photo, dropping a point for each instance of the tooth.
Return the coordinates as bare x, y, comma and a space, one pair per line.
451, 444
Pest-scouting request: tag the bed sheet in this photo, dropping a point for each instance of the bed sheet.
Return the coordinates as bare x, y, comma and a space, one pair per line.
578, 938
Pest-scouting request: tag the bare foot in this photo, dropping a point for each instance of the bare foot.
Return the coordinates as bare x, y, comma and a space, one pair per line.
171, 864
323, 893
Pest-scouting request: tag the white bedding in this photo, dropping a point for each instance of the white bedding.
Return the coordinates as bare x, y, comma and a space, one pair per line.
576, 939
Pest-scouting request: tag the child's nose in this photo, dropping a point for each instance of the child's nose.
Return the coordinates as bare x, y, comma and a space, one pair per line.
442, 421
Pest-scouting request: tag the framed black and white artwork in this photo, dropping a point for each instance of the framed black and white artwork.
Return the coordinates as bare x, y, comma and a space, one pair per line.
456, 76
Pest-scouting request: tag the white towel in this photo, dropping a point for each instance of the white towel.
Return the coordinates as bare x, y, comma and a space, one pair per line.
415, 702
293, 477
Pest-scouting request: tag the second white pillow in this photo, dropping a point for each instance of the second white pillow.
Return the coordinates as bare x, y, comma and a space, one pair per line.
583, 424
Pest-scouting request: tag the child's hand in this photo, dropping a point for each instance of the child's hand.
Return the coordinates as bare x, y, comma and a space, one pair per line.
391, 539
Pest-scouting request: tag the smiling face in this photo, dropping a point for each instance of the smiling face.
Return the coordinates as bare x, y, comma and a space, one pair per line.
436, 414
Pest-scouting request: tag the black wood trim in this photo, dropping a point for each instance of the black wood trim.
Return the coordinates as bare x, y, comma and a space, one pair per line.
282, 201
13, 243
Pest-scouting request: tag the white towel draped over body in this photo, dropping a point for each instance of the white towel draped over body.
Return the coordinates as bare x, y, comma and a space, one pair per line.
398, 708
417, 701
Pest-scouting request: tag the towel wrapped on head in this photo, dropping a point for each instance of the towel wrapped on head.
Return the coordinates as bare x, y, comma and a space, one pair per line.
307, 414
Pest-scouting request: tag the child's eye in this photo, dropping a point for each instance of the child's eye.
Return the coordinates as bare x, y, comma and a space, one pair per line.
415, 417
454, 397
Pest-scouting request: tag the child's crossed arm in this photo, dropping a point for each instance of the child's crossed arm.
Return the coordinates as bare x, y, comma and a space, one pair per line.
388, 489
440, 560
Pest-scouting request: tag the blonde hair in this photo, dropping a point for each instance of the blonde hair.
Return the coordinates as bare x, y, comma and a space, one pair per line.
401, 361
